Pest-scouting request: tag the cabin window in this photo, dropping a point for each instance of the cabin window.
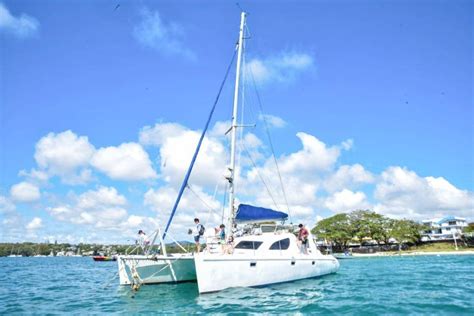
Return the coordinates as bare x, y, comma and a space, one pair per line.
246, 244
281, 244
452, 223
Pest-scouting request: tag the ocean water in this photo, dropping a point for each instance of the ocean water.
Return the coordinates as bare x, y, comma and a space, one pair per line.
435, 285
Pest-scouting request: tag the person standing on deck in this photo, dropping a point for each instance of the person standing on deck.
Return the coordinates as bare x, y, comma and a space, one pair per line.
143, 240
197, 233
221, 236
303, 235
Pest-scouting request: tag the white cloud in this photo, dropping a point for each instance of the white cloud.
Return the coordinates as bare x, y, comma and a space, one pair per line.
272, 120
220, 128
302, 174
165, 37
162, 200
315, 156
158, 134
346, 201
127, 162
315, 182
177, 145
402, 193
35, 224
280, 68
6, 206
135, 221
22, 26
35, 176
63, 154
348, 176
102, 208
25, 192
347, 144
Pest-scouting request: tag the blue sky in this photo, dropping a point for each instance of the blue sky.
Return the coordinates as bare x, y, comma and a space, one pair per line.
372, 105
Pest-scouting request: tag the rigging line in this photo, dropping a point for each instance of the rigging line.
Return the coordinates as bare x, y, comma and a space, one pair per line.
271, 143
252, 114
202, 201
260, 176
223, 203
213, 197
188, 173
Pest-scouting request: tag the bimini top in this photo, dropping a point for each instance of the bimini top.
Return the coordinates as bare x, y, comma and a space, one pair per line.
248, 213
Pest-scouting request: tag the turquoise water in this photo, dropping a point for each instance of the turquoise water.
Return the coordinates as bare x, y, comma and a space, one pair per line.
438, 285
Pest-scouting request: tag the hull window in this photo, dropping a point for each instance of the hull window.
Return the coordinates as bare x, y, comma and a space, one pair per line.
293, 263
247, 244
253, 264
283, 244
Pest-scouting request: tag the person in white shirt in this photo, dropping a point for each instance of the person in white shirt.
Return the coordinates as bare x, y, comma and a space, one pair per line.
143, 240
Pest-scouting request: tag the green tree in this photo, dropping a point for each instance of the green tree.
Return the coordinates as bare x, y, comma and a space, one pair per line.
368, 224
337, 229
406, 231
386, 233
469, 228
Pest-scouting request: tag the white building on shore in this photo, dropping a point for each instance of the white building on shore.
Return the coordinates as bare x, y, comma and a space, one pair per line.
446, 228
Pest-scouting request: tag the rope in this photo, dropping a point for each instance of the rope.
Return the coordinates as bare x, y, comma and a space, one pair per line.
110, 281
168, 265
202, 201
271, 143
177, 243
260, 176
223, 204
213, 197
136, 282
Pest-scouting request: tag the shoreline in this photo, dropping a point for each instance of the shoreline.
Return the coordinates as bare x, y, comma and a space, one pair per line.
414, 253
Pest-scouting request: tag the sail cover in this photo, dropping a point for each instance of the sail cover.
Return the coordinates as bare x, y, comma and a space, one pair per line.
247, 213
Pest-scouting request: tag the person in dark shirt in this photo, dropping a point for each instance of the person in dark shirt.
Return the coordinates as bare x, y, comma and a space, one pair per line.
303, 235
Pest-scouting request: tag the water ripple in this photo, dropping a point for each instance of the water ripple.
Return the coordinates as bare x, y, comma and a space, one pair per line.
390, 286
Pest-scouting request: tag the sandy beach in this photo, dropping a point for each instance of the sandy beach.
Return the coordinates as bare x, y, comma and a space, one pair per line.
414, 253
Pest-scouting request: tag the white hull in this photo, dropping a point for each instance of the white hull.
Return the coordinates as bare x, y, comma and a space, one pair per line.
218, 272
156, 269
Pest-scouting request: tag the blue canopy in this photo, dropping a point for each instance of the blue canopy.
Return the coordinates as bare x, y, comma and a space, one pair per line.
246, 213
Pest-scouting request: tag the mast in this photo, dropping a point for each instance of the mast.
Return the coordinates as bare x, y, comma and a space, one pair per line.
234, 127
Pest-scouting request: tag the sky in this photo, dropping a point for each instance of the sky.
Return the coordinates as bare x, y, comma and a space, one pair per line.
369, 105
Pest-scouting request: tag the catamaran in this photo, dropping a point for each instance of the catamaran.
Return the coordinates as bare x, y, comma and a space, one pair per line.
265, 255
153, 268
258, 254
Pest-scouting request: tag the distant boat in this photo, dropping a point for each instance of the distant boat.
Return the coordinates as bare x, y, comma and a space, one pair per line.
104, 258
343, 256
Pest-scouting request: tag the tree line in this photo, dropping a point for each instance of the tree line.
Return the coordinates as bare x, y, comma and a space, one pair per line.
344, 228
28, 249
